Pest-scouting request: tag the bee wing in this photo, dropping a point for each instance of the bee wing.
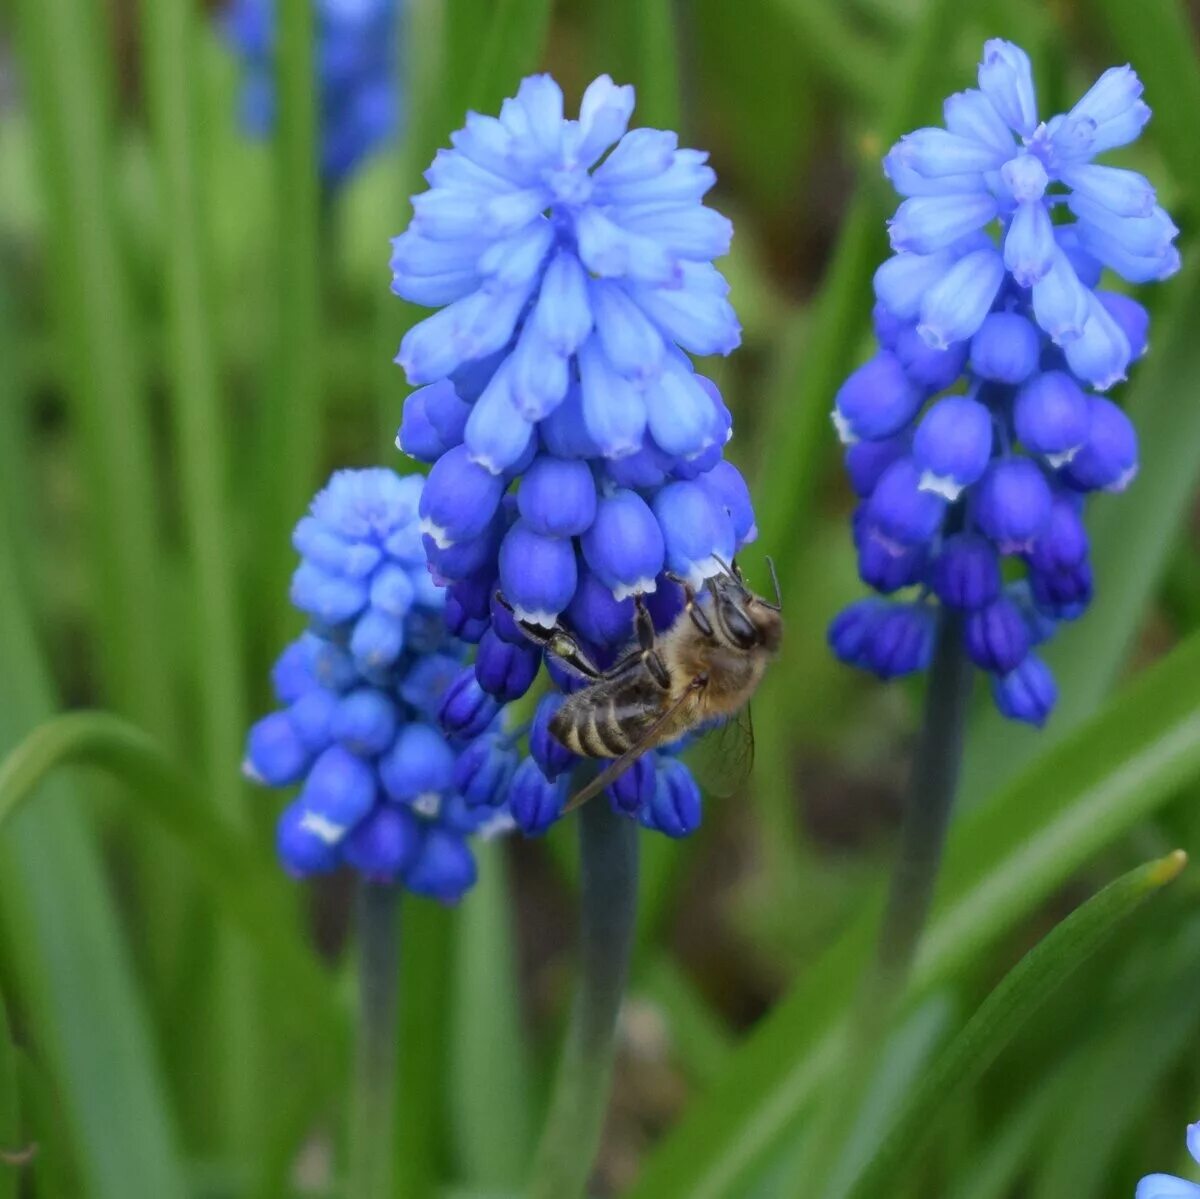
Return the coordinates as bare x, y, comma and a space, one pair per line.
618, 766
722, 757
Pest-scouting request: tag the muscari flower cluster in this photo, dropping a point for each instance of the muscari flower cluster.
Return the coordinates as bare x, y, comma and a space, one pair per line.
577, 455
1168, 1186
356, 67
977, 431
361, 692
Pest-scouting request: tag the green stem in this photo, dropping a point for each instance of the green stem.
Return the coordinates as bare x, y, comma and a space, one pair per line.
931, 790
373, 1111
608, 863
932, 786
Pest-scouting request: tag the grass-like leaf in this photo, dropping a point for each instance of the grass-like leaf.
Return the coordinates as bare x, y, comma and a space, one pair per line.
1002, 860
1028, 985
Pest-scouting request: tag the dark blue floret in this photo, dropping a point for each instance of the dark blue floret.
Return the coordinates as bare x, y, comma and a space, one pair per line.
383, 789
1006, 228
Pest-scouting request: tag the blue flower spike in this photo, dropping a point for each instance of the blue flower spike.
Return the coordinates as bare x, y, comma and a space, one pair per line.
1168, 1186
977, 431
356, 57
383, 788
576, 453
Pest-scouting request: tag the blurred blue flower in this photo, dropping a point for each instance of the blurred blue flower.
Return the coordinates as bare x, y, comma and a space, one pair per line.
992, 295
1167, 1186
382, 787
356, 58
576, 454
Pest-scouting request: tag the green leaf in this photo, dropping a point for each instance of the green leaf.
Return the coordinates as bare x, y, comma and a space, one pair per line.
289, 432
52, 1167
512, 47
71, 971
489, 1075
10, 1108
1013, 1142
1023, 990
636, 41
248, 893
421, 1142
1121, 1072
1002, 860
66, 70
200, 437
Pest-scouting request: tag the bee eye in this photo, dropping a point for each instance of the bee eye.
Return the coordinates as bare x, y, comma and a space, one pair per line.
738, 625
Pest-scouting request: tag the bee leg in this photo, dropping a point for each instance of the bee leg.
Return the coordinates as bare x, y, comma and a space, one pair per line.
556, 641
698, 618
644, 624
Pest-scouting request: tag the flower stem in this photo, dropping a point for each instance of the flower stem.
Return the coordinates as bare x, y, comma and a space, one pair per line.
373, 1106
608, 851
931, 790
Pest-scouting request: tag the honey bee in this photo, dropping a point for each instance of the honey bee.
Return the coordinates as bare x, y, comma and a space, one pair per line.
700, 671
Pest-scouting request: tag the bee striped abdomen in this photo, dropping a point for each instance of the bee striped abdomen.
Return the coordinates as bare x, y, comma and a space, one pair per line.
607, 719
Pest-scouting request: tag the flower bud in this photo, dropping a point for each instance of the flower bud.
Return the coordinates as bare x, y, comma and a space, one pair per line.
339, 791
675, 806
1013, 504
901, 640
697, 531
384, 845
550, 754
275, 755
901, 512
624, 547
952, 446
966, 573
557, 496
534, 800
633, 788
419, 767
1028, 693
301, 848
459, 499
996, 636
1006, 348
537, 574
365, 722
444, 868
1108, 459
505, 670
466, 709
877, 400
1050, 415
483, 771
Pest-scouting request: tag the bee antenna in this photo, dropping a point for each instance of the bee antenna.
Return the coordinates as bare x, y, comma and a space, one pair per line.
731, 571
778, 604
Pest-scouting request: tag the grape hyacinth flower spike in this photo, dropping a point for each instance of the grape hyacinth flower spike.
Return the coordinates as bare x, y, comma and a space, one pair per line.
382, 788
979, 429
576, 453
356, 75
1168, 1186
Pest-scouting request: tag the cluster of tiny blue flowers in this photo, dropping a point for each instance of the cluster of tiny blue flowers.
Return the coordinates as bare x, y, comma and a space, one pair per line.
356, 72
977, 431
1167, 1186
362, 691
577, 455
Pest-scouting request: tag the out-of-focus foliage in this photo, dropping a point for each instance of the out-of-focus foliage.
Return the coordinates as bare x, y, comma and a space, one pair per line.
192, 335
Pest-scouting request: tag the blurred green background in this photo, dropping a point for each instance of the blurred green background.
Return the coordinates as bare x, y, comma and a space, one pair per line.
191, 338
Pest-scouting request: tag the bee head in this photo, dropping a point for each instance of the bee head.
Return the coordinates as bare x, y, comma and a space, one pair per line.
746, 620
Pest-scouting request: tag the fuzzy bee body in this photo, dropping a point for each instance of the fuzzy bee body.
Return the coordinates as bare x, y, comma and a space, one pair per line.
704, 668
625, 711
